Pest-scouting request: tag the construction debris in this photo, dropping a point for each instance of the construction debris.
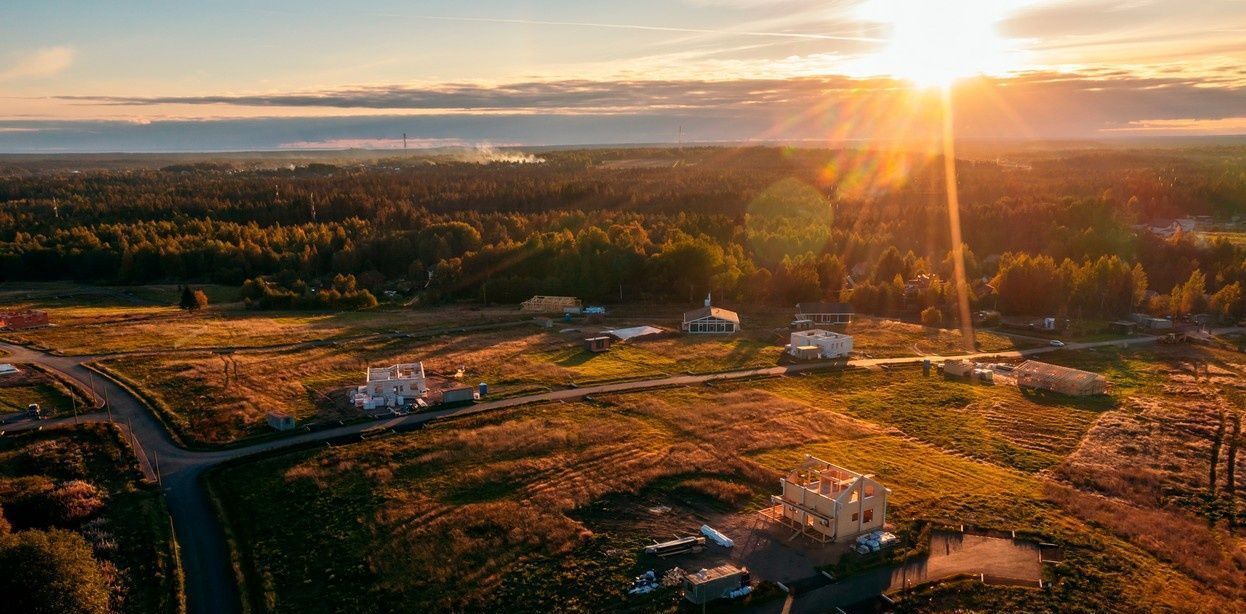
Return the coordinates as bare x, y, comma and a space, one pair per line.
717, 537
673, 547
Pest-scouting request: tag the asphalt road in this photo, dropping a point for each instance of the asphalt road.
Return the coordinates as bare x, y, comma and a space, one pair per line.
210, 582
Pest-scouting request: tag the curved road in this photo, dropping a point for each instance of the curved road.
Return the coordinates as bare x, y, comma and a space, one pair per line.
205, 557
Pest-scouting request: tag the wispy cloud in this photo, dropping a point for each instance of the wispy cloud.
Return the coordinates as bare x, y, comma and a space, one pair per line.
44, 62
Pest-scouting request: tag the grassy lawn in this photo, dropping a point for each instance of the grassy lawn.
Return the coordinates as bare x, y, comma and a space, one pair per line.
508, 508
19, 390
129, 532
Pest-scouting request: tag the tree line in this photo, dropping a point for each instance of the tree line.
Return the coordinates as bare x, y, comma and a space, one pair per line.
757, 225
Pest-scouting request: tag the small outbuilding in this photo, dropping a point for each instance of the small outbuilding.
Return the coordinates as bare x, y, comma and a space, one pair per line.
279, 421
724, 581
598, 344
23, 319
464, 394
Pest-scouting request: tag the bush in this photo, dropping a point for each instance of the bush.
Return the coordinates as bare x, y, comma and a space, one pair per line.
932, 316
51, 572
36, 502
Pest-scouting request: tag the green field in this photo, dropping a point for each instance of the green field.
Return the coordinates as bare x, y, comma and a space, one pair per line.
131, 535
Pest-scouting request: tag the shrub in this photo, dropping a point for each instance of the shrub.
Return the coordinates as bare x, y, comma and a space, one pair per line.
51, 572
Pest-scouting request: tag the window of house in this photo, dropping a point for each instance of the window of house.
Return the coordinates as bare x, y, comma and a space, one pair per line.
869, 491
854, 497
869, 515
855, 516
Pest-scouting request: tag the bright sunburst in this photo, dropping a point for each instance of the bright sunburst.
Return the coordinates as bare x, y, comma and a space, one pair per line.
935, 42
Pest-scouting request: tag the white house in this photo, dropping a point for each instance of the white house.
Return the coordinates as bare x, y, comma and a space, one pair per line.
711, 320
392, 386
828, 344
829, 503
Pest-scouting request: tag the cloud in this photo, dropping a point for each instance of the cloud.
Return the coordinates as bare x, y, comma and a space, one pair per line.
1035, 99
44, 62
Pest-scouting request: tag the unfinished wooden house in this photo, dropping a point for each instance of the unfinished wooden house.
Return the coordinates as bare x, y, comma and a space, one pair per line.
1065, 380
551, 304
827, 503
825, 313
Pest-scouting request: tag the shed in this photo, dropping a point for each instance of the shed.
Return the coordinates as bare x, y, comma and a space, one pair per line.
709, 584
280, 421
1124, 327
463, 394
598, 344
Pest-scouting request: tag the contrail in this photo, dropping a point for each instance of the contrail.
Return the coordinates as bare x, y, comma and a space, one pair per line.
625, 26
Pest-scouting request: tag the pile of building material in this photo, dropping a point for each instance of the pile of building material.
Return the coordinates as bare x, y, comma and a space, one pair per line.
875, 541
644, 583
552, 304
673, 547
716, 536
634, 332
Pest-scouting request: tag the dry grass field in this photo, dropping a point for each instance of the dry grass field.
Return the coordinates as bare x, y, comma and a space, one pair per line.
197, 396
532, 505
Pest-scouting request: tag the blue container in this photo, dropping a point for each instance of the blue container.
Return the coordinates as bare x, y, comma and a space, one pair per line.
484, 389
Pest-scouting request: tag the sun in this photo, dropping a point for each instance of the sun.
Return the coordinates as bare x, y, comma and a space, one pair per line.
932, 43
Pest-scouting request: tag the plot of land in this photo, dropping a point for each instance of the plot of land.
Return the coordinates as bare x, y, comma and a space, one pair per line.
19, 390
545, 505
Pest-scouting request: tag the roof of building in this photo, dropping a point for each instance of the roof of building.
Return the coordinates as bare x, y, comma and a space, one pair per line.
1057, 372
707, 575
402, 370
635, 331
818, 333
717, 312
823, 307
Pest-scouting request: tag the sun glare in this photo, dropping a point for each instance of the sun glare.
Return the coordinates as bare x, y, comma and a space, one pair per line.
932, 43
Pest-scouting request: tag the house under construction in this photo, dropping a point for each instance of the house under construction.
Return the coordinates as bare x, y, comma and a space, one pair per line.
826, 502
1065, 380
552, 304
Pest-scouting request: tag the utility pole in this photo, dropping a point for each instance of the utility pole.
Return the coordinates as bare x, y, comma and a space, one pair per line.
404, 141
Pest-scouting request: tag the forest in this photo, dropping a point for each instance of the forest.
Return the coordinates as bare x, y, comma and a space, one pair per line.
1046, 231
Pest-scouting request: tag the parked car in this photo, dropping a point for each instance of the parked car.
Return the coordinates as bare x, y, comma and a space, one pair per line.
34, 411
1057, 343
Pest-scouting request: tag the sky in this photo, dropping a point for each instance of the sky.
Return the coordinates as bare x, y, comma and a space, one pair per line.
210, 75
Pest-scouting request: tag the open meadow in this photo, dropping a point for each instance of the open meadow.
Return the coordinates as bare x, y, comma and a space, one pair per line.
545, 505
